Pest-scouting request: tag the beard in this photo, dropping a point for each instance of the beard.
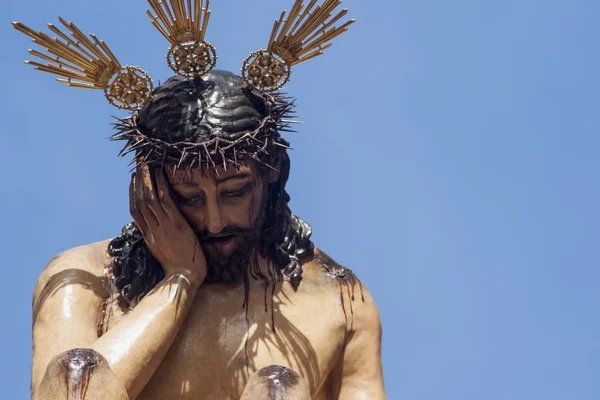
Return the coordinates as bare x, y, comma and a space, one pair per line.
229, 266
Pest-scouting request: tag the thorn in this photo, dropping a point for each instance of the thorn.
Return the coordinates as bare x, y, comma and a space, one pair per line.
162, 164
210, 158
181, 159
186, 171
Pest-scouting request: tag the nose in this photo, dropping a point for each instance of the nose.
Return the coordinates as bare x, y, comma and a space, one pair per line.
215, 220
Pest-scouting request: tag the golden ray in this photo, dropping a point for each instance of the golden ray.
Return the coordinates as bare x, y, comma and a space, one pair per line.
305, 34
86, 62
80, 61
184, 23
300, 37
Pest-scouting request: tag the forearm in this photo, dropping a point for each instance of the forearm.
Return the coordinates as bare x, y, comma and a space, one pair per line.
136, 346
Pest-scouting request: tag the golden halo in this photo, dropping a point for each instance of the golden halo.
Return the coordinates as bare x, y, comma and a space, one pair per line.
191, 59
129, 88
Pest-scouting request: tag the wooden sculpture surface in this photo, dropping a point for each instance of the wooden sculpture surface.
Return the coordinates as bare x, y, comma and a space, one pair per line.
216, 292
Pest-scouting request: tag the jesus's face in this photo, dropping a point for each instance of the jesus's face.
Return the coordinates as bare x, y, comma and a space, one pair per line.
226, 210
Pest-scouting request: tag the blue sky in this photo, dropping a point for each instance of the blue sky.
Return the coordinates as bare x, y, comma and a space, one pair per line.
449, 156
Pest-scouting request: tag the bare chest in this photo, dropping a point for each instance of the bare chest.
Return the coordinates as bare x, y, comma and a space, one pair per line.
223, 342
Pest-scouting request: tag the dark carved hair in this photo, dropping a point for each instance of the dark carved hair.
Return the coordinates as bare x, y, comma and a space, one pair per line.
195, 110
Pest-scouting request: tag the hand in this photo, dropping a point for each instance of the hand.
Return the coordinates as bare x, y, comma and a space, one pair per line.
166, 232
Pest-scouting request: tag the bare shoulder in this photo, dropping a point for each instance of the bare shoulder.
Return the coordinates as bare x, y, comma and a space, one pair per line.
323, 266
324, 271
325, 274
83, 265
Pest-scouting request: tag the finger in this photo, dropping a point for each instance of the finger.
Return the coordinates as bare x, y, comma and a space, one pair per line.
164, 193
168, 203
133, 210
140, 200
150, 194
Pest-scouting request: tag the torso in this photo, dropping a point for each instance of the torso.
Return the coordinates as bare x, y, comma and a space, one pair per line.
211, 357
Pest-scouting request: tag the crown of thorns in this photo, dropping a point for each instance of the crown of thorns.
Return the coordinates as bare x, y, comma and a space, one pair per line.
219, 150
87, 62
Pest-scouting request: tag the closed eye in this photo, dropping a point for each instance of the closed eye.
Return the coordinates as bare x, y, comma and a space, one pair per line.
192, 200
237, 193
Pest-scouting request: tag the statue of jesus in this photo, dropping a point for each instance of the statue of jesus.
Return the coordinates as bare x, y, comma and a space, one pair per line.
215, 290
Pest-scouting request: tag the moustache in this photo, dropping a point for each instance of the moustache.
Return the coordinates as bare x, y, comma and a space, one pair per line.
205, 236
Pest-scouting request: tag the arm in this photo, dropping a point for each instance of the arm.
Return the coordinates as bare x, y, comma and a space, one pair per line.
127, 356
359, 373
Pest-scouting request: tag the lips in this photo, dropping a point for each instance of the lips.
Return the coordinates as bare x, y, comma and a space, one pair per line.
218, 239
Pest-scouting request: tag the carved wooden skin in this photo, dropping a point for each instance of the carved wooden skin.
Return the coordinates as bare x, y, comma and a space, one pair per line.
76, 373
338, 359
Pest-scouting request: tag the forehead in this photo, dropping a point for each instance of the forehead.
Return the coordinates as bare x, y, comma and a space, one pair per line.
206, 175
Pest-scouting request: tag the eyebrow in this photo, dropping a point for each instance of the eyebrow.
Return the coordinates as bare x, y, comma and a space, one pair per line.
242, 175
